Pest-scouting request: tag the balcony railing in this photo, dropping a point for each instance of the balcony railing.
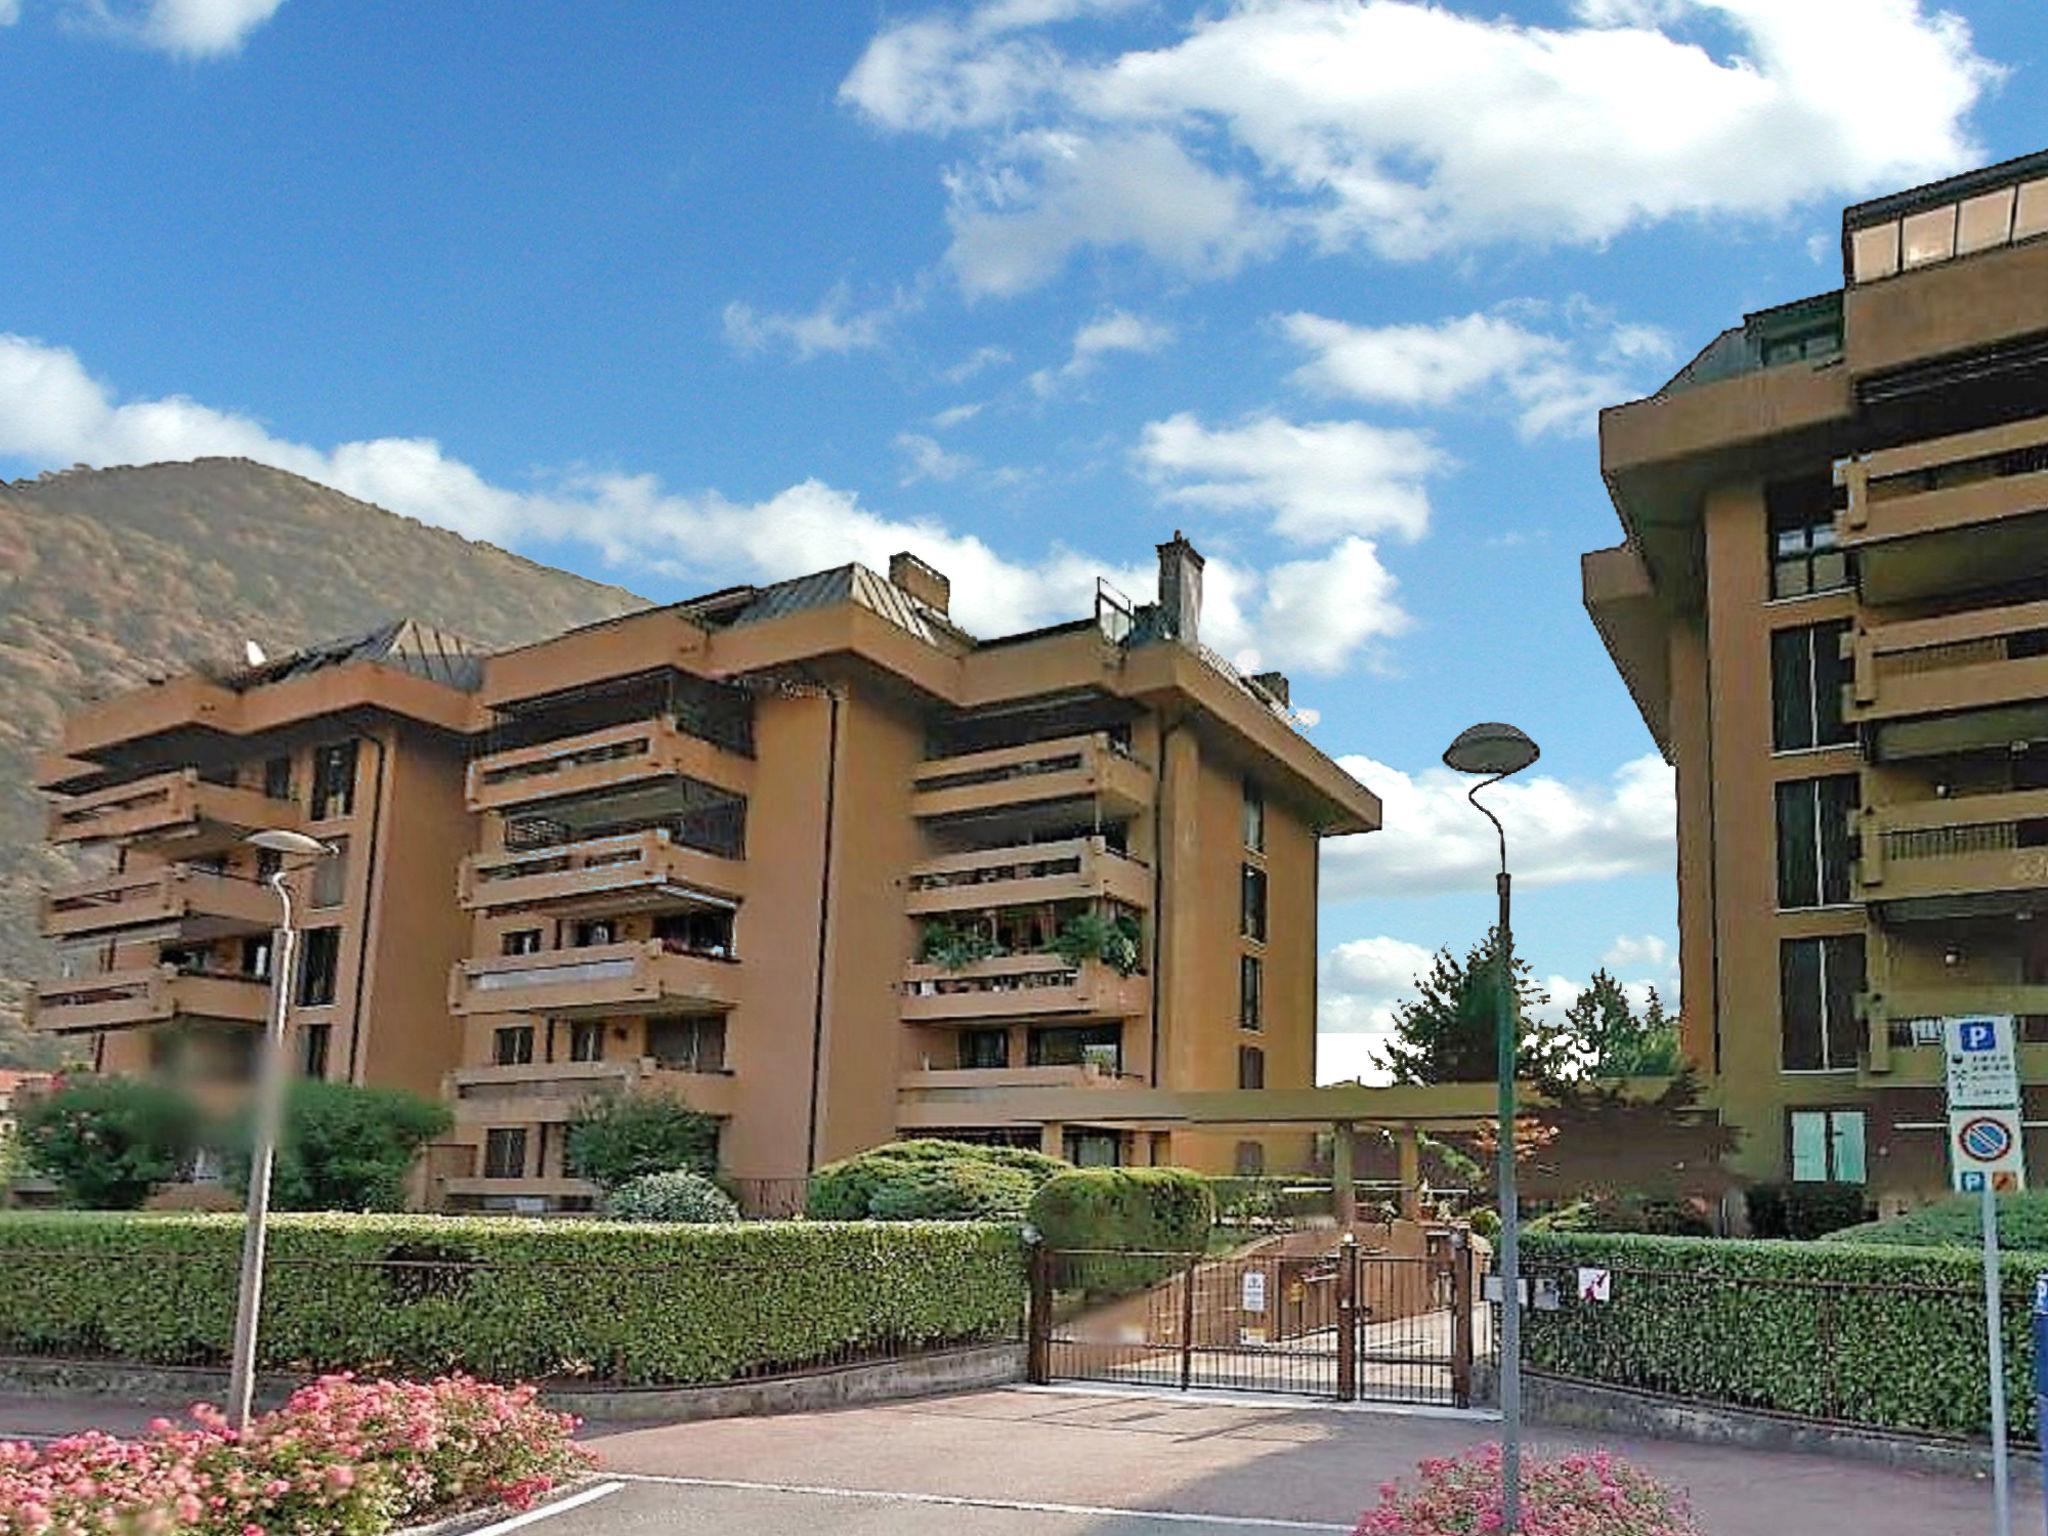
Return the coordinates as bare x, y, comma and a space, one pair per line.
1066, 768
177, 813
613, 758
1021, 986
549, 1092
188, 904
146, 996
1071, 870
1971, 846
649, 977
1984, 658
1888, 1011
598, 875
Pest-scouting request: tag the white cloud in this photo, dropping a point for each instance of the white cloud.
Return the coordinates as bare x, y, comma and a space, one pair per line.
1410, 129
192, 29
975, 361
1318, 480
834, 327
1639, 952
1360, 983
10, 12
926, 460
953, 415
1116, 331
1434, 841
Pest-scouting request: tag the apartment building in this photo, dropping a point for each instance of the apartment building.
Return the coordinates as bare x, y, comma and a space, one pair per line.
1832, 610
814, 860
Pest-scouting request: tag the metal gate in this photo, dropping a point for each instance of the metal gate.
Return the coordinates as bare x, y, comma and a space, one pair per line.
1343, 1323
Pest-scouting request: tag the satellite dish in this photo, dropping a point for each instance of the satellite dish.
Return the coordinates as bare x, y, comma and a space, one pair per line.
253, 653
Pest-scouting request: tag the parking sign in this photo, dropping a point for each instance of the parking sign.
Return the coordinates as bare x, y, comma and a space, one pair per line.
1983, 1066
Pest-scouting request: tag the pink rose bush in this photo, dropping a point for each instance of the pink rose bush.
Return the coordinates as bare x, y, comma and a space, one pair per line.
1596, 1494
342, 1458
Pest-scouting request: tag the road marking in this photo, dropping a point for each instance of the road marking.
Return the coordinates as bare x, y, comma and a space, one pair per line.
955, 1501
549, 1511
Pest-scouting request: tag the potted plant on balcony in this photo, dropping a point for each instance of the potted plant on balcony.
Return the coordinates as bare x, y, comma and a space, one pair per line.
1097, 936
955, 948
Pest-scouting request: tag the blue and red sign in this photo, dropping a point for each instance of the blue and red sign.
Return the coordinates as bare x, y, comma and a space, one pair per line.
1984, 1138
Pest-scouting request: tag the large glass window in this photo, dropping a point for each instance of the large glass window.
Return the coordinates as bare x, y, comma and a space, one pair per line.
692, 1043
1808, 673
313, 1049
512, 1046
1252, 885
505, 1152
1804, 555
1254, 817
1251, 1067
319, 966
1100, 1046
586, 1040
984, 1048
330, 876
334, 779
1251, 992
1827, 1145
1094, 1149
1815, 822
1818, 980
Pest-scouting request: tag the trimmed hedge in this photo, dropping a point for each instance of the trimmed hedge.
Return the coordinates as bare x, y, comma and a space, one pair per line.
1896, 1340
904, 1180
1155, 1210
1805, 1211
504, 1297
1957, 1222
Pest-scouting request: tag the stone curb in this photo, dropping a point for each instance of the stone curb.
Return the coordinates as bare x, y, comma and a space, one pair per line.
476, 1519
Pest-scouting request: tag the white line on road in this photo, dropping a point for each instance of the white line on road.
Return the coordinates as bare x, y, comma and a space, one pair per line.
883, 1495
549, 1511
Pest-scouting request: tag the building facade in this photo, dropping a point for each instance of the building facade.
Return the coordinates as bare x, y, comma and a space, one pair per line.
1831, 609
806, 856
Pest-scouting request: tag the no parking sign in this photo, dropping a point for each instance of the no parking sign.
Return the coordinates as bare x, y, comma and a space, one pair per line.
1985, 1149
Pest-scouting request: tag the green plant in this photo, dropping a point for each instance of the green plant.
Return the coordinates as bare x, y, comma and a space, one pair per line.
952, 947
1156, 1210
895, 1177
1804, 1211
1625, 1213
1485, 1221
507, 1298
955, 1192
1957, 1222
344, 1148
107, 1141
1889, 1337
610, 1141
1093, 935
678, 1195
1584, 1493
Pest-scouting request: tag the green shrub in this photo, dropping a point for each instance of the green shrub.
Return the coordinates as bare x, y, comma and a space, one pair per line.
1485, 1221
1624, 1213
678, 1195
895, 1176
107, 1141
504, 1297
954, 1192
1958, 1223
344, 1148
1882, 1336
1153, 1210
1804, 1211
610, 1141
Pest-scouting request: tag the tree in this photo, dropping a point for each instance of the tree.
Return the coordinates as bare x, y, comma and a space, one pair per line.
108, 1141
1605, 1037
344, 1148
1448, 1032
612, 1140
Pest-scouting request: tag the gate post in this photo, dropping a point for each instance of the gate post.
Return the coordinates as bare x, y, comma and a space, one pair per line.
1461, 1317
1187, 1322
1038, 1317
1347, 1320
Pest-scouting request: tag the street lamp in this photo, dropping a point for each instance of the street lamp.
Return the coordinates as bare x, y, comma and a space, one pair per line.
1495, 751
270, 1081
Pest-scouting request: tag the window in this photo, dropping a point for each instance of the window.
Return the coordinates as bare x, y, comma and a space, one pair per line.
700, 931
1827, 1145
586, 1040
334, 779
505, 1152
1814, 840
691, 1043
520, 941
1818, 980
1807, 677
594, 932
1804, 556
330, 876
277, 778
1254, 818
1100, 1046
1251, 1159
1094, 1149
1251, 1067
1251, 990
1253, 902
984, 1048
319, 966
512, 1046
256, 958
268, 862
313, 1049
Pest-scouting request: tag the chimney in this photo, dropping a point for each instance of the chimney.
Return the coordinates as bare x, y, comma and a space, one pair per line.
1180, 589
920, 581
1275, 683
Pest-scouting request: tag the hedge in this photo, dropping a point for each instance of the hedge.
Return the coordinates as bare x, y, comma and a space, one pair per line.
1150, 1210
896, 1182
1888, 1337
504, 1297
1957, 1222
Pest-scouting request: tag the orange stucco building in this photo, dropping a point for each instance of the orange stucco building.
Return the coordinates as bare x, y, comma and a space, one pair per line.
806, 856
1832, 608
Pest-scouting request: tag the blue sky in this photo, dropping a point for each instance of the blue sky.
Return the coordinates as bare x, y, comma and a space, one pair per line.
680, 294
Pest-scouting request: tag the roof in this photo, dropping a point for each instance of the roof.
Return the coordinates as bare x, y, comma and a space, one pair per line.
408, 644
826, 589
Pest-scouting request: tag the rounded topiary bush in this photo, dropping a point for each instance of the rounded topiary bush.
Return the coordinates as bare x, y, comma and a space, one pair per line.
1150, 1210
922, 1180
678, 1195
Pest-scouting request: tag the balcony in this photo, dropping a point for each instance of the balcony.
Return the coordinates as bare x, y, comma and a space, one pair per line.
1924, 1066
147, 996
1020, 986
602, 979
187, 905
1887, 1012
1041, 772
1949, 515
601, 875
1072, 870
1961, 682
177, 815
1974, 855
549, 1092
600, 762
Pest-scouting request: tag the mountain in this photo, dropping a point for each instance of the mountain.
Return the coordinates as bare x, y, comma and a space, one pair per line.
108, 576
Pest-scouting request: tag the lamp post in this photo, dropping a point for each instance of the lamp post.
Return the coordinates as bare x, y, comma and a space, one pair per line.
270, 1082
1495, 751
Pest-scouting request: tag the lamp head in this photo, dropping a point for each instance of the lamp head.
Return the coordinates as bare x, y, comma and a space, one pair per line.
1493, 749
280, 841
